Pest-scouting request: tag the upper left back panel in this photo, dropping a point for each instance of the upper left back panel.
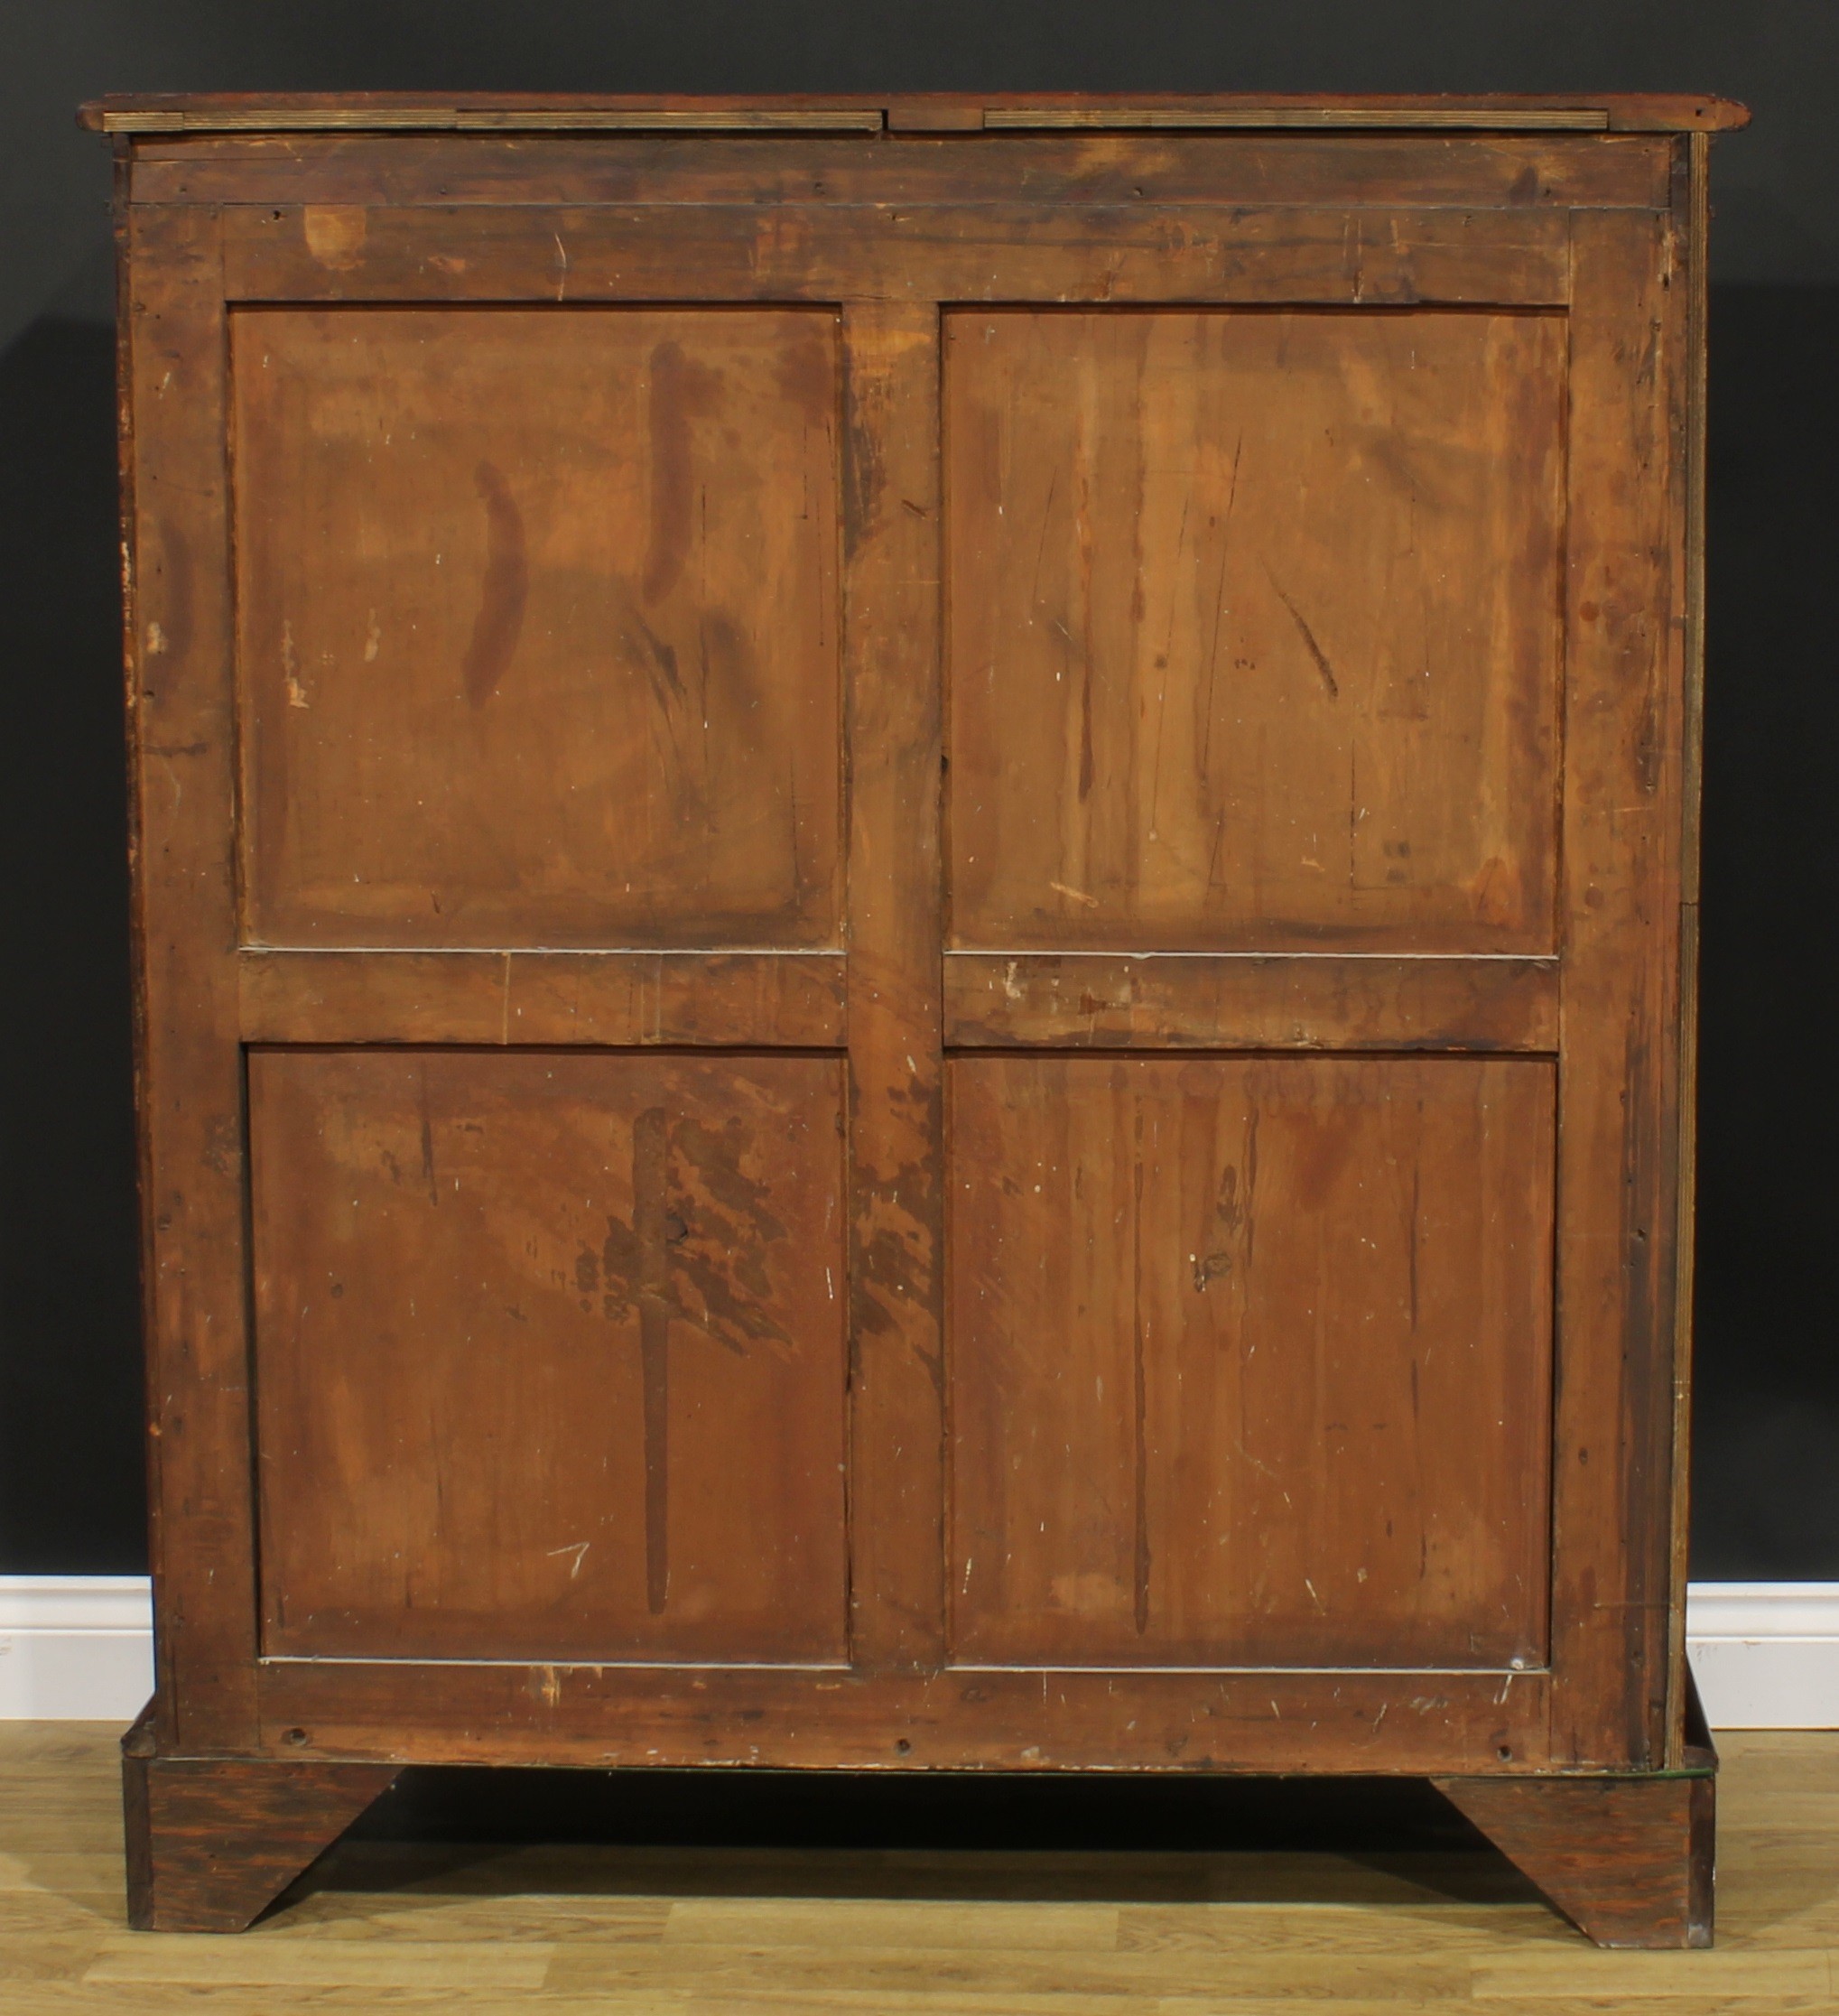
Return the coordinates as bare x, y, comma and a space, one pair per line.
537, 626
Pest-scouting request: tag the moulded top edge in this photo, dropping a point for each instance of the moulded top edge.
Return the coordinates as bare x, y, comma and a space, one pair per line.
424, 112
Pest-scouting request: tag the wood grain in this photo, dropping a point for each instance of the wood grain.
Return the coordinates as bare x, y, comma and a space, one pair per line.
1633, 111
921, 254
1616, 1075
1253, 633
532, 650
730, 999
1693, 243
181, 732
1280, 117
1408, 1720
1249, 1361
1250, 1001
490, 118
1628, 1861
549, 1355
891, 630
1413, 171
211, 1843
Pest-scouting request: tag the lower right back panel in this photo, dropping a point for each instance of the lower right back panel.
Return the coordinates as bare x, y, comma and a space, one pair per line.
1249, 1361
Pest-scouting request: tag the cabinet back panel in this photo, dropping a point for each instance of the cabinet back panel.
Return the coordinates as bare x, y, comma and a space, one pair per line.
536, 626
858, 984
1254, 628
1249, 1361
549, 1355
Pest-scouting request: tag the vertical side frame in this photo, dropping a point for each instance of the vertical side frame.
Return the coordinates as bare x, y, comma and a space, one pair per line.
1618, 1085
181, 732
894, 743
1696, 235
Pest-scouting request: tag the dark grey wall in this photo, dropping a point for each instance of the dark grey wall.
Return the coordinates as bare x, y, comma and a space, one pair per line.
1768, 1483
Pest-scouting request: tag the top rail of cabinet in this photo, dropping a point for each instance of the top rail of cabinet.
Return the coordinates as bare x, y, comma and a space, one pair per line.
940, 112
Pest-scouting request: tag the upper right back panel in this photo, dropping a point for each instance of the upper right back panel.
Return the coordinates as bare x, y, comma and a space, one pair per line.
1254, 623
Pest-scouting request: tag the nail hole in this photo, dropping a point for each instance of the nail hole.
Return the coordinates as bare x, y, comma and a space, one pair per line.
904, 1747
1504, 1754
295, 1736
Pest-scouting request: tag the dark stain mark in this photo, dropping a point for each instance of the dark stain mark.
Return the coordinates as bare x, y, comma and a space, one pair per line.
806, 377
1219, 609
715, 1157
721, 1258
175, 578
889, 1271
1411, 1249
729, 674
1308, 637
1085, 762
1424, 476
1646, 1426
1250, 1192
1214, 881
1142, 1394
863, 476
659, 659
714, 1239
1647, 746
1650, 358
223, 1152
650, 1174
879, 1262
1041, 544
428, 1141
1323, 1150
619, 1267
694, 1253
679, 390
1212, 1266
795, 829
503, 592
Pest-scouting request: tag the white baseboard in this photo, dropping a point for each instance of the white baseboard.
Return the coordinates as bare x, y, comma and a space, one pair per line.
75, 1647
1766, 1654
80, 1648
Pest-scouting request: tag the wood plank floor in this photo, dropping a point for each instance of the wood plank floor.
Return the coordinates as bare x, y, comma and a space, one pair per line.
704, 1932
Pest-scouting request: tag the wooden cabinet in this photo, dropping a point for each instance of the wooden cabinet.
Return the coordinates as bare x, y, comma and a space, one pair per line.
916, 888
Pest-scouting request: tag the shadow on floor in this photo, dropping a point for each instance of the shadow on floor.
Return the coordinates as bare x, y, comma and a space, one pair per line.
739, 1834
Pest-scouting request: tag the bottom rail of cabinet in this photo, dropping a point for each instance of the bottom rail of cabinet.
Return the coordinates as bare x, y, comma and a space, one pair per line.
213, 1842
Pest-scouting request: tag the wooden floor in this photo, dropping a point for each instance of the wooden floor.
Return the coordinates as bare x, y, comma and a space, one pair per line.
694, 1932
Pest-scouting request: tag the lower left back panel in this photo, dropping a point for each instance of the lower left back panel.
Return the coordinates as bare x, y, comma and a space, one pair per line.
550, 1354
